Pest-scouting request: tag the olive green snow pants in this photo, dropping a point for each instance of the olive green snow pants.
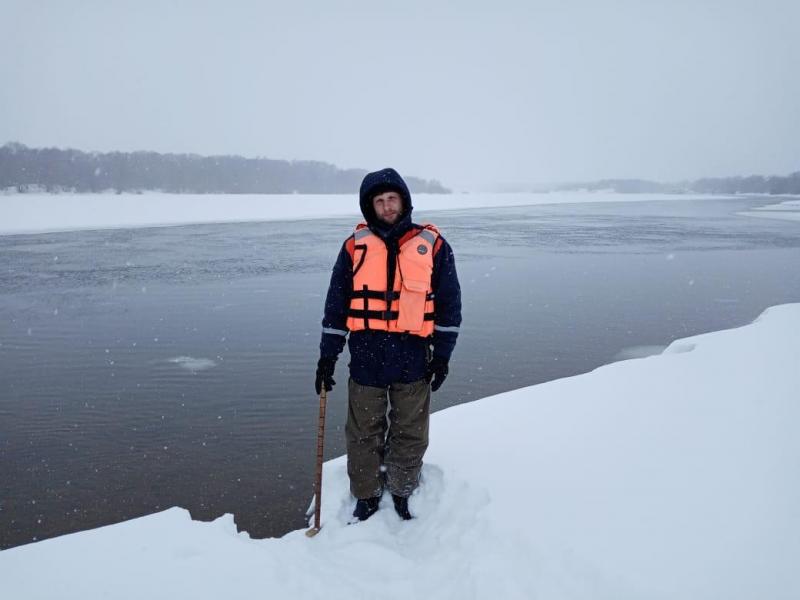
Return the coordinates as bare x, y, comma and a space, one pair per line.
397, 443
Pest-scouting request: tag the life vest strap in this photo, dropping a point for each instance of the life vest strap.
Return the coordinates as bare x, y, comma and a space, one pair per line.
374, 294
380, 315
377, 295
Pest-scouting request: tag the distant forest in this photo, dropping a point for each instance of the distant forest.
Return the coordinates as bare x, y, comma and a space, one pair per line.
24, 169
754, 184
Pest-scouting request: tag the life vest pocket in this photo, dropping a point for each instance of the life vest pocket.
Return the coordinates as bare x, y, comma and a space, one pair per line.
412, 305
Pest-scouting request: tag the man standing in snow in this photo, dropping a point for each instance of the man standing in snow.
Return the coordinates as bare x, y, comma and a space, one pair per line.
394, 289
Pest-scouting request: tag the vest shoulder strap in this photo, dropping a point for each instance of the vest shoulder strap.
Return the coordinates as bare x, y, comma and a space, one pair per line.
429, 232
431, 227
362, 230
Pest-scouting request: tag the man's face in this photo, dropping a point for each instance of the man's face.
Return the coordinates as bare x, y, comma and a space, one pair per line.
388, 207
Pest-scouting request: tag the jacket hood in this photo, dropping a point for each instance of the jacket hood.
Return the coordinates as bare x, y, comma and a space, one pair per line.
379, 182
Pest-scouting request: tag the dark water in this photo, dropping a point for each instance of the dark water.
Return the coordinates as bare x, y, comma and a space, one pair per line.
99, 424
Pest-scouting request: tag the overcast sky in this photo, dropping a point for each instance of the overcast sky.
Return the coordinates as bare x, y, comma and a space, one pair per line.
474, 94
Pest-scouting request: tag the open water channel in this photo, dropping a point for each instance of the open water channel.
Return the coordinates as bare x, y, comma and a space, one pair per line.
147, 368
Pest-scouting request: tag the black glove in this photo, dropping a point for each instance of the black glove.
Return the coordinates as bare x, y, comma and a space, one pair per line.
325, 368
437, 371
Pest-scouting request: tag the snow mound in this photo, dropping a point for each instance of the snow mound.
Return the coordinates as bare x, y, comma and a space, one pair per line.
193, 364
638, 352
671, 476
788, 210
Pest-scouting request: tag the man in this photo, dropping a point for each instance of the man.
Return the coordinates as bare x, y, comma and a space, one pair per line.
394, 289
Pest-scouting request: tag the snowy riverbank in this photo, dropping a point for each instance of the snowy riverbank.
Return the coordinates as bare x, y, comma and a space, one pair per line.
39, 213
788, 210
673, 476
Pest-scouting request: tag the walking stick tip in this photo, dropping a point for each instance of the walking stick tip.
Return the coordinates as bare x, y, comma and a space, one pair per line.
312, 532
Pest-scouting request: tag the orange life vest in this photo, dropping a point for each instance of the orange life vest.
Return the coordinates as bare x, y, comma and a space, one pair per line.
409, 307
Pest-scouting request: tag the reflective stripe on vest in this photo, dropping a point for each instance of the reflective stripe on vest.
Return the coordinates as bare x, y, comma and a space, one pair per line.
409, 306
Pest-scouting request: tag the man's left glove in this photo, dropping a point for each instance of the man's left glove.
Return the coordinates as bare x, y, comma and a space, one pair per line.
437, 371
325, 368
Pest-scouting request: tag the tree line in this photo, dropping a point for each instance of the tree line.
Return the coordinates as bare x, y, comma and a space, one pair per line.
754, 184
24, 169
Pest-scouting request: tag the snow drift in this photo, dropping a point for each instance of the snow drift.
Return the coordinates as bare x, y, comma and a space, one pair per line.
39, 213
672, 476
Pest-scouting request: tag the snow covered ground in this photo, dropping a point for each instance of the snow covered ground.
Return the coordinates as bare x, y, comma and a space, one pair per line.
38, 213
671, 476
788, 210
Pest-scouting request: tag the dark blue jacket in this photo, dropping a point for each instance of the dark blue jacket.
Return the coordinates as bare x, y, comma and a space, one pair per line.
380, 358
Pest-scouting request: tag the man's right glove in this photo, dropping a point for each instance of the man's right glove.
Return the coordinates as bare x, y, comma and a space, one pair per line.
325, 368
437, 371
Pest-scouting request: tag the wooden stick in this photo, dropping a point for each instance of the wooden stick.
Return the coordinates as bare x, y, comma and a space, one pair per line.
323, 401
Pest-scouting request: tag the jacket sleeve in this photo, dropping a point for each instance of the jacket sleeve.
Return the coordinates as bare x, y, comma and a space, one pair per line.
337, 303
447, 302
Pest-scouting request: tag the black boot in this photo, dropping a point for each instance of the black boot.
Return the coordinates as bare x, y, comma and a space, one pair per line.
401, 506
366, 508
